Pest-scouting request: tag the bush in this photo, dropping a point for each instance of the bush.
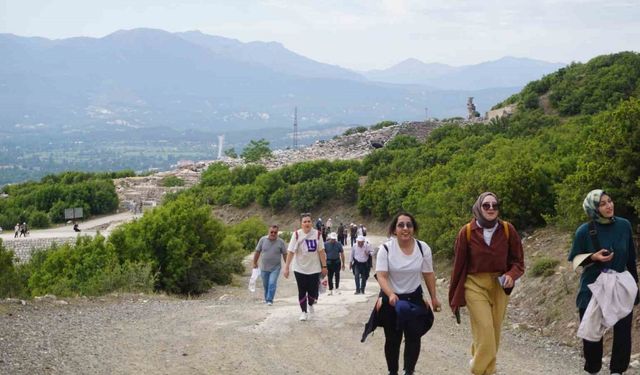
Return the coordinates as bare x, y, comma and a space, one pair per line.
188, 247
243, 195
544, 267
171, 181
383, 124
10, 284
248, 232
39, 219
88, 267
256, 150
356, 130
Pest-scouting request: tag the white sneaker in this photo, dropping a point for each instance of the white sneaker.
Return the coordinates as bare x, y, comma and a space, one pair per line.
303, 317
330, 293
338, 291
269, 303
312, 309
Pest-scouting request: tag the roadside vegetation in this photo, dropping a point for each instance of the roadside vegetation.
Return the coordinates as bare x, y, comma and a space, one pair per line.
40, 204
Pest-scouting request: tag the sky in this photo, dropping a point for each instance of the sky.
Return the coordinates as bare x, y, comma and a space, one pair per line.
359, 34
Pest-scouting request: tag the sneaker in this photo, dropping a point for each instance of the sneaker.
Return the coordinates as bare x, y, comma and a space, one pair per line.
303, 317
312, 309
269, 303
338, 291
330, 293
357, 292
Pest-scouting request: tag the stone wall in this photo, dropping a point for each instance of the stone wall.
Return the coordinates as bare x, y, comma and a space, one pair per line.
23, 247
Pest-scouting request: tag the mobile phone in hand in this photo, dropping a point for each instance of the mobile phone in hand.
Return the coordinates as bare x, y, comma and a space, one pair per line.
458, 315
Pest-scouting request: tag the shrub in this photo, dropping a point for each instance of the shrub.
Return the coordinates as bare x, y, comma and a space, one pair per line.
256, 150
186, 245
243, 195
356, 130
171, 181
10, 284
383, 124
39, 219
88, 267
248, 232
544, 267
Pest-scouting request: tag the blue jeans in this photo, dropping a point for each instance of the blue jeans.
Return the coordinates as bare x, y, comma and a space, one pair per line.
361, 273
270, 282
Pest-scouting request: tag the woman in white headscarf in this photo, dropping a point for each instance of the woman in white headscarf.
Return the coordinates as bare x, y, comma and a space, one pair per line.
611, 248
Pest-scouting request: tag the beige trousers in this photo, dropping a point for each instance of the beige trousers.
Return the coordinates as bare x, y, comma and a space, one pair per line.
487, 304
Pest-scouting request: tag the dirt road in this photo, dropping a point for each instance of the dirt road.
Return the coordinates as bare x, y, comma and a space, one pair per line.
230, 331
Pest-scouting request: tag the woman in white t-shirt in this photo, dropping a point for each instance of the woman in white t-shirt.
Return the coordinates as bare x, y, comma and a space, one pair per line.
402, 263
306, 251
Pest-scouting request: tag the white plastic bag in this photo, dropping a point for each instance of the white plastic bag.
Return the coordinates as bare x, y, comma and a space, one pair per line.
322, 284
252, 280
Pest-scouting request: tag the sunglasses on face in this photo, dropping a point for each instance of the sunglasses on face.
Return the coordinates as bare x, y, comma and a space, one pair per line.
403, 225
487, 206
273, 232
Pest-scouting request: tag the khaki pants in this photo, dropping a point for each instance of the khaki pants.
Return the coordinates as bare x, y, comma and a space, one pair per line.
487, 304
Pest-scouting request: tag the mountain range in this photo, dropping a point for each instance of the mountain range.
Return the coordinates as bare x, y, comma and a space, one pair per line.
147, 98
505, 72
190, 80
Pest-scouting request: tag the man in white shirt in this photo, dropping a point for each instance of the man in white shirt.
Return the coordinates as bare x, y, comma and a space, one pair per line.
359, 264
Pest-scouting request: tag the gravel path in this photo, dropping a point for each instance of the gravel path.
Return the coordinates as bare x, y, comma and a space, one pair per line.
230, 331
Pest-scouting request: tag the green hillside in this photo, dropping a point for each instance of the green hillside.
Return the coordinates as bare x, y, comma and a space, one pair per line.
540, 162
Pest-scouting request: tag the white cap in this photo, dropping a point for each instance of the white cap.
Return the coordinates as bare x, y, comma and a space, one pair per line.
333, 236
360, 238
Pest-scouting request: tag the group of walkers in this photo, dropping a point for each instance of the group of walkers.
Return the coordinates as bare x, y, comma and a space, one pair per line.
21, 230
343, 232
488, 261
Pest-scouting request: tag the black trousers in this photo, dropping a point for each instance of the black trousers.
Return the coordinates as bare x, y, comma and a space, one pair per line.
307, 289
393, 336
620, 351
333, 268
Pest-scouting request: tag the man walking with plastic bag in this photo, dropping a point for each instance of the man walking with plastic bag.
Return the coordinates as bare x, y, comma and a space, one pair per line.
271, 249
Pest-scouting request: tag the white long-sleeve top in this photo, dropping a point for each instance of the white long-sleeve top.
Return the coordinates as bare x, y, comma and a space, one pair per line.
612, 299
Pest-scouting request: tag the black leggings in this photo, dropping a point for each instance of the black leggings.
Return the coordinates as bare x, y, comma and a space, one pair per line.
307, 289
393, 336
333, 267
620, 351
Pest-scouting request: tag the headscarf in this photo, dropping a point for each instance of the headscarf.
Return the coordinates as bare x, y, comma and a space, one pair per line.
477, 211
590, 205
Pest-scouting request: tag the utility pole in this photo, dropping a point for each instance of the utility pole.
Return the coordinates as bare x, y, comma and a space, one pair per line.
426, 114
295, 128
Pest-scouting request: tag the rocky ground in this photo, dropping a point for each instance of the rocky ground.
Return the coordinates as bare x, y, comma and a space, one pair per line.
230, 331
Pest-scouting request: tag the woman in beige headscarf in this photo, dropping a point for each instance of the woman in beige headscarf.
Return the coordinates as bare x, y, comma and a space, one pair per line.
488, 261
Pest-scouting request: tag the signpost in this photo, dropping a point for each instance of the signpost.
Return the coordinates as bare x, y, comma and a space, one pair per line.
73, 213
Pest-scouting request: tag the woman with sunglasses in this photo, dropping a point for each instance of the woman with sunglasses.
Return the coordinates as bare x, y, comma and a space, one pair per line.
611, 248
488, 260
402, 263
307, 247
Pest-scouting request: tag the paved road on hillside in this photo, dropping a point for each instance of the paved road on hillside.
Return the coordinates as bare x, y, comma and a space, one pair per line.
90, 227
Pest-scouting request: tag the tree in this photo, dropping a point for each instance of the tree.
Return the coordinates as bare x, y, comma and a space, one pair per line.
256, 150
231, 152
